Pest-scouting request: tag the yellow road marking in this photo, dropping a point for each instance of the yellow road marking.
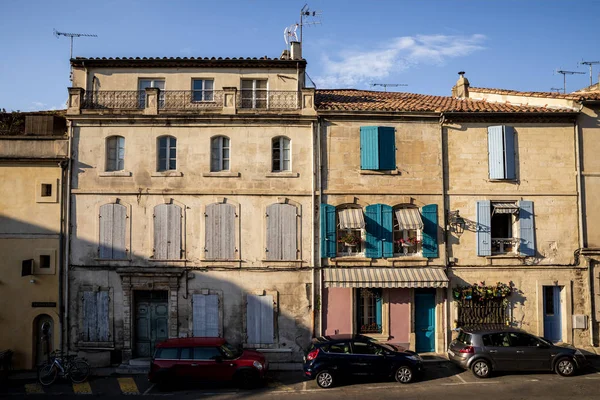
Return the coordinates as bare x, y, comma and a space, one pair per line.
82, 388
33, 388
128, 386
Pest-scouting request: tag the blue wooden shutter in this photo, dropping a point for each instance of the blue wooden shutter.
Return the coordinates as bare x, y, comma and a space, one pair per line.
387, 230
526, 223
373, 228
430, 230
484, 223
328, 231
387, 148
509, 152
496, 152
369, 147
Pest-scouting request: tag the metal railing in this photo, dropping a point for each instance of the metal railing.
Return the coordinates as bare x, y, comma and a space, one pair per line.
113, 99
268, 99
504, 245
191, 100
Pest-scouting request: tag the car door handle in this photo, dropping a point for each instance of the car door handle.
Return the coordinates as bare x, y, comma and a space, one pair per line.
520, 352
194, 365
493, 351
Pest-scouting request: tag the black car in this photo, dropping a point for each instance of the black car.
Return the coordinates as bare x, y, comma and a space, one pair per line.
483, 350
332, 358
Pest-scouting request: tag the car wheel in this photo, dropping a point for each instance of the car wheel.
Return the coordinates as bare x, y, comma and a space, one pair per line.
404, 374
246, 379
565, 367
481, 369
325, 379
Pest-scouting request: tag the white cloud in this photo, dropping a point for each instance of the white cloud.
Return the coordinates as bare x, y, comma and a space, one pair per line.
39, 106
350, 68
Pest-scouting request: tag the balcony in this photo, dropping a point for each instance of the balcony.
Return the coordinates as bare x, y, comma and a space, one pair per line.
136, 100
269, 100
504, 245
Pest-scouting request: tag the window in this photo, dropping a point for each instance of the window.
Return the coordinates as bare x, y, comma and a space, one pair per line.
549, 300
151, 83
505, 228
350, 232
95, 317
46, 190
45, 261
220, 231
501, 152
167, 153
219, 154
206, 315
259, 319
522, 340
408, 227
366, 348
368, 308
499, 339
167, 232
282, 236
464, 338
167, 353
281, 154
113, 230
338, 348
202, 89
186, 353
377, 148
254, 93
115, 153
206, 353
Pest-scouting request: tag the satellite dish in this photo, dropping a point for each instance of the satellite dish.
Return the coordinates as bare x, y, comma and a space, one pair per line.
289, 34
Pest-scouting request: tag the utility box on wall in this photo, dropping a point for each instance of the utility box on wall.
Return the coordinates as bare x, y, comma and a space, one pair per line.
579, 321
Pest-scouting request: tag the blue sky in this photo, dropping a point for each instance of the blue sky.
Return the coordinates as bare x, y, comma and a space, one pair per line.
503, 44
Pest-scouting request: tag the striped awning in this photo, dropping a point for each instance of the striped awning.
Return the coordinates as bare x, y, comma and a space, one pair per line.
385, 278
409, 218
505, 208
351, 218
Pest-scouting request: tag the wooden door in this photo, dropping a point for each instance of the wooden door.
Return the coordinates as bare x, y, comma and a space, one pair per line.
151, 321
425, 321
552, 313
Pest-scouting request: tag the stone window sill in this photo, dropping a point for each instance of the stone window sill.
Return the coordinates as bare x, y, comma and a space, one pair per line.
281, 261
221, 174
375, 172
167, 174
501, 256
181, 260
351, 259
221, 260
112, 259
115, 173
408, 258
282, 175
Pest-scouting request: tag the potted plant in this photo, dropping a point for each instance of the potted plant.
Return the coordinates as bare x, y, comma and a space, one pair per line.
409, 242
350, 239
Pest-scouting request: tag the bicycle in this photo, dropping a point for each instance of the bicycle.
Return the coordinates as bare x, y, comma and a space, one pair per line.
68, 366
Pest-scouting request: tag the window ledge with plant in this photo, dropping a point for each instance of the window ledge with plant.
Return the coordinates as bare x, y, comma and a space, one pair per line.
115, 173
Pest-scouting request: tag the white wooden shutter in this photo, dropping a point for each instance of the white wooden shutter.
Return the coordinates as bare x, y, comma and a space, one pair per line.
259, 319
160, 231
102, 317
174, 232
220, 231
95, 317
106, 231
206, 315
266, 319
274, 250
282, 243
119, 230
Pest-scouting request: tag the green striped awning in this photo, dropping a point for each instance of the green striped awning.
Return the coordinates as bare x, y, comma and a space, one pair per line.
409, 219
385, 278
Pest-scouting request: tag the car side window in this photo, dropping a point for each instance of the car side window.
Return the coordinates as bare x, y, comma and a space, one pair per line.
522, 340
366, 348
167, 353
206, 353
338, 348
187, 353
499, 339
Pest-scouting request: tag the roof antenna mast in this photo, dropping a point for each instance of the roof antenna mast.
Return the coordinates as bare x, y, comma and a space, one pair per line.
590, 63
71, 36
385, 85
564, 74
309, 18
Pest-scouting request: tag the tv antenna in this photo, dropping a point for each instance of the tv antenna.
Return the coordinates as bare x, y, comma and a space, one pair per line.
590, 63
564, 74
555, 89
71, 36
308, 18
385, 85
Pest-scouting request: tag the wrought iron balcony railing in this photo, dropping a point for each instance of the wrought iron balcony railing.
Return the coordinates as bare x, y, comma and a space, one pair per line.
113, 99
190, 100
268, 99
504, 245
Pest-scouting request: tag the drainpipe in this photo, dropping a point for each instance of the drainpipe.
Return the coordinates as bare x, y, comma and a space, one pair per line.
317, 255
312, 223
68, 235
445, 208
63, 170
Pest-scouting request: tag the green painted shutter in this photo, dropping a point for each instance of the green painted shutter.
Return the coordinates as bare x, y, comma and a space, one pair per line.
369, 147
387, 230
430, 230
373, 228
328, 231
527, 227
387, 148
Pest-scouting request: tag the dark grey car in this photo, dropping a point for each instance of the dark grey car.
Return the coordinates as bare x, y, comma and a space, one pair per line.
486, 350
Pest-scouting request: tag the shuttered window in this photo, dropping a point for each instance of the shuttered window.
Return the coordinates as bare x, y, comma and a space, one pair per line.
377, 148
484, 228
206, 315
430, 230
115, 153
501, 152
220, 231
527, 228
259, 319
95, 317
167, 232
282, 241
113, 227
328, 231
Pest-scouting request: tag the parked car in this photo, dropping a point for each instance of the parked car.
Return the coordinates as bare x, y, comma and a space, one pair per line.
486, 350
333, 358
206, 359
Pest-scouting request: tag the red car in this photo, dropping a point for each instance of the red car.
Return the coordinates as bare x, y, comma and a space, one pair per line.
206, 359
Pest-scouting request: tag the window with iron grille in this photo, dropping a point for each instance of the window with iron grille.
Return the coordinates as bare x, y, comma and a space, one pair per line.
368, 307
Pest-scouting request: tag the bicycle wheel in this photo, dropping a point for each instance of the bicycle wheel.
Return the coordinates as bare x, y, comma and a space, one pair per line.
47, 374
79, 371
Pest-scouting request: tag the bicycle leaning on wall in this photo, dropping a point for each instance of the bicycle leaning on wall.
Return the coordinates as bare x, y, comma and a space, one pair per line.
68, 366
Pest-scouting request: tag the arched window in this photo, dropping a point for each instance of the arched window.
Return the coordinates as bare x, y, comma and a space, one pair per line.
281, 154
219, 154
167, 153
115, 153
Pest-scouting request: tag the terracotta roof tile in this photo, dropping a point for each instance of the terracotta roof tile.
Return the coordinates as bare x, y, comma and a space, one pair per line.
577, 96
364, 100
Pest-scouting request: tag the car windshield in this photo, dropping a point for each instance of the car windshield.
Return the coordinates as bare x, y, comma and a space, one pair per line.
230, 351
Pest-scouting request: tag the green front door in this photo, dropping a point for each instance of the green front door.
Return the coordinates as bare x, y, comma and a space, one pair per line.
151, 321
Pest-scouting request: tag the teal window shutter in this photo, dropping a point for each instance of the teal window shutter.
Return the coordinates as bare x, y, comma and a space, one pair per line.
378, 310
484, 224
509, 152
387, 148
328, 231
527, 245
387, 229
373, 228
430, 230
369, 148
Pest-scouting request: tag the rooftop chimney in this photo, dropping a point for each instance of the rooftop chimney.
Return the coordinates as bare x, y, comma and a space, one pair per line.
461, 89
296, 50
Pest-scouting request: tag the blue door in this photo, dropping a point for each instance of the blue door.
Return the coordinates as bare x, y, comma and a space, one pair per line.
425, 321
552, 317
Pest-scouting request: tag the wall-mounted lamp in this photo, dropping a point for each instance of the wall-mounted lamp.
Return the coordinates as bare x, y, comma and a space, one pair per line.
456, 222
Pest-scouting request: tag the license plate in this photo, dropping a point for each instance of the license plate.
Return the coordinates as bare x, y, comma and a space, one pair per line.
451, 353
